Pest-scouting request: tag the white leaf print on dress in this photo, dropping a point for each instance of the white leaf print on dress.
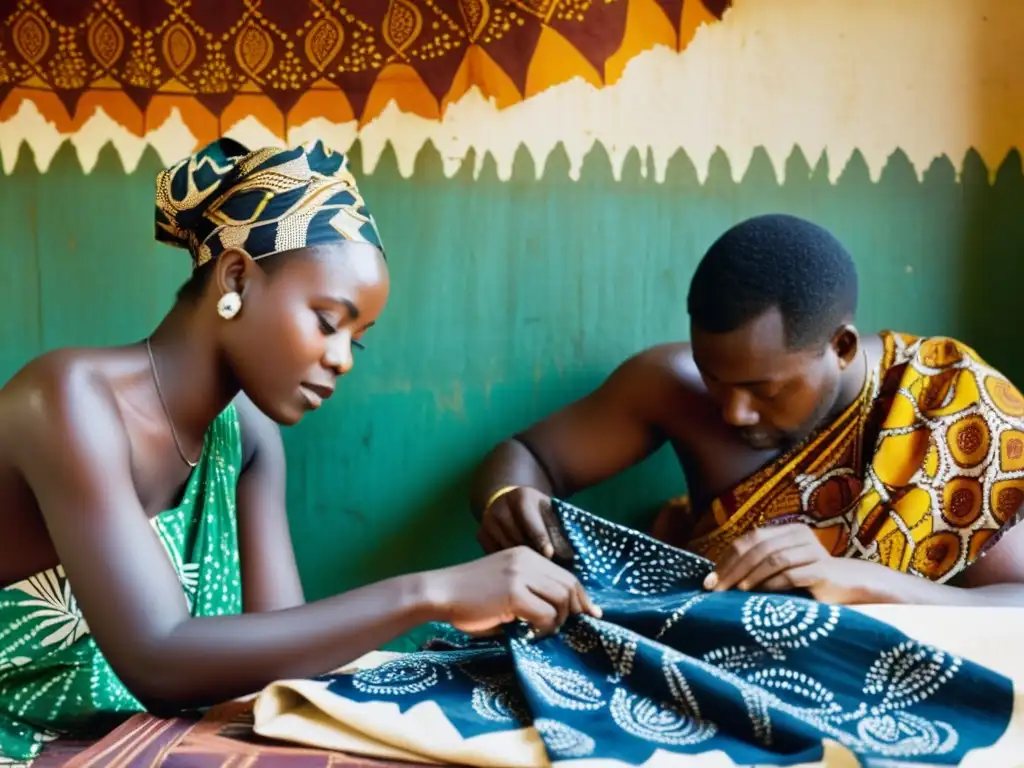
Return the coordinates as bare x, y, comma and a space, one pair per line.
190, 577
16, 661
57, 616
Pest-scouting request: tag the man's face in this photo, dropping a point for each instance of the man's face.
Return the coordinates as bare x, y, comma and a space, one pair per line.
773, 396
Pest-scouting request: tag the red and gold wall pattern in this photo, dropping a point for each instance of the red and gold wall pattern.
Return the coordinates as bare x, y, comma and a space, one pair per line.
288, 61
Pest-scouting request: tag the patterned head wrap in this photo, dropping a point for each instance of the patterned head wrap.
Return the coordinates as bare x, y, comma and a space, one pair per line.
263, 201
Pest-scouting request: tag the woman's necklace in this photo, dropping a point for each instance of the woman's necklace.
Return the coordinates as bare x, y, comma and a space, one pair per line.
170, 421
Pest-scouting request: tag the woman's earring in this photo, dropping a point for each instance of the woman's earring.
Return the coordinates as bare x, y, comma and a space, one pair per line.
229, 305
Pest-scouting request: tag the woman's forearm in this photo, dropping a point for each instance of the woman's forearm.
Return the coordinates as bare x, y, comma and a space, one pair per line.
208, 660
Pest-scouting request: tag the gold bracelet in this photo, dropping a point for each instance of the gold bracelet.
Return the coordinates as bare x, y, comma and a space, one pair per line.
497, 495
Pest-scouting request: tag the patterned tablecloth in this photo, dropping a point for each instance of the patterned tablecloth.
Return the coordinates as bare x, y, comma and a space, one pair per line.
222, 737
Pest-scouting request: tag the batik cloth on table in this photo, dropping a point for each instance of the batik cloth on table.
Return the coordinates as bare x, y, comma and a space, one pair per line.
727, 678
922, 473
54, 679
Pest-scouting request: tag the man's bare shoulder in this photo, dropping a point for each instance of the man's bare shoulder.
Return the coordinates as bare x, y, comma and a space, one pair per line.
670, 365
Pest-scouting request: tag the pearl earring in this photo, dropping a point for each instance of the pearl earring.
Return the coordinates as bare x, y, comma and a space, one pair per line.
229, 305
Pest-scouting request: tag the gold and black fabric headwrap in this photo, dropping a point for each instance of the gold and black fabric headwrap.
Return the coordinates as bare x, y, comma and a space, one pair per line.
263, 201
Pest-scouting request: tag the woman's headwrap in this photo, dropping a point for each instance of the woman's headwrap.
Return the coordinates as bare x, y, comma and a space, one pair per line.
263, 201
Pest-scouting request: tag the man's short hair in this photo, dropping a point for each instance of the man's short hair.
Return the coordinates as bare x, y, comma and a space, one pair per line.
779, 261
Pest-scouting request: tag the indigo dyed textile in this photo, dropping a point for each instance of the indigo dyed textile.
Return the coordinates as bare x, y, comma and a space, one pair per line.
762, 677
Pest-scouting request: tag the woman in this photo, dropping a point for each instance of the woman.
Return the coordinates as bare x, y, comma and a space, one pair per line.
146, 560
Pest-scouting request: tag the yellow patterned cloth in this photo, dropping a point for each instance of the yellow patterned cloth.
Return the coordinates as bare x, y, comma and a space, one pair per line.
919, 474
263, 201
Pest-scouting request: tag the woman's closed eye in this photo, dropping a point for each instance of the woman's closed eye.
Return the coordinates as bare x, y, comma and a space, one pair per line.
327, 327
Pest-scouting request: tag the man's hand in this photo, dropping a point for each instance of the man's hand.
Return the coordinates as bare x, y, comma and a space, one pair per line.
523, 516
786, 557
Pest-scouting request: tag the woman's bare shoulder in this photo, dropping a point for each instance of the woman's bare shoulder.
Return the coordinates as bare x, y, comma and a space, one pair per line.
61, 391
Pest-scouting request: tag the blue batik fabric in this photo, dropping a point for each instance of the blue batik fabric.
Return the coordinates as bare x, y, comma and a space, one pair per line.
764, 678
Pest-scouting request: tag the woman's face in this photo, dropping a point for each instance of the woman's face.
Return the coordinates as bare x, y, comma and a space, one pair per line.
299, 322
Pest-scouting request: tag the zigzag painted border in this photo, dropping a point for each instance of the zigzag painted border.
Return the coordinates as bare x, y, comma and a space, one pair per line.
926, 78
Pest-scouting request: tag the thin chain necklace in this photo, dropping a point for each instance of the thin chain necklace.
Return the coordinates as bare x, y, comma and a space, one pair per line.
170, 421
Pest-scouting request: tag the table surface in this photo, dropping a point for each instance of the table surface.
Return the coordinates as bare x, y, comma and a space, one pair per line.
216, 740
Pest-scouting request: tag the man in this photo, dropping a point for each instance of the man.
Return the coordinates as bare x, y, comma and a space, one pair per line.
863, 469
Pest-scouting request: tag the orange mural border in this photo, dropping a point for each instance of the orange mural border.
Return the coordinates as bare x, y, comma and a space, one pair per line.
70, 68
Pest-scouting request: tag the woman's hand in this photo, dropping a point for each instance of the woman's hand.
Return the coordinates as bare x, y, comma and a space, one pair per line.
786, 557
501, 588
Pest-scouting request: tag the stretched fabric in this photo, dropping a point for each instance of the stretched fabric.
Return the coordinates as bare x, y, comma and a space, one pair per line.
54, 679
734, 678
922, 473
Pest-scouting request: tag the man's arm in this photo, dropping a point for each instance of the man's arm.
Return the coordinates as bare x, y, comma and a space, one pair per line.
270, 575
787, 557
609, 430
997, 579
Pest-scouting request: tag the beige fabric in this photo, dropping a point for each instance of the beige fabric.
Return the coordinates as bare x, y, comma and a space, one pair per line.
302, 712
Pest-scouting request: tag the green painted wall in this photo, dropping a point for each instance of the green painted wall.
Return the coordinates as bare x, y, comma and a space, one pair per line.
509, 299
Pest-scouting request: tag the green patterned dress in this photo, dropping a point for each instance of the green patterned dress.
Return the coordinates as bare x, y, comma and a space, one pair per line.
53, 678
